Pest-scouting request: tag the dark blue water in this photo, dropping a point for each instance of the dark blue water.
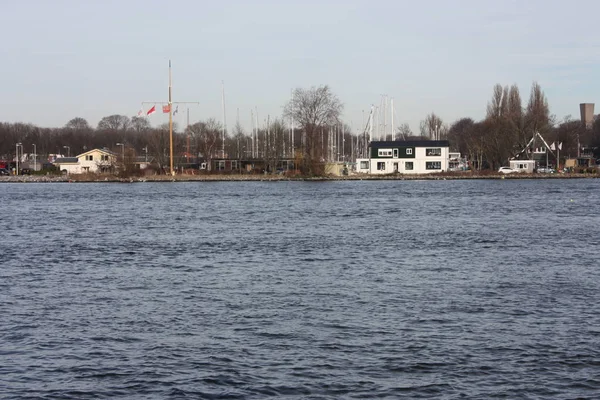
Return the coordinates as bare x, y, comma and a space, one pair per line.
388, 289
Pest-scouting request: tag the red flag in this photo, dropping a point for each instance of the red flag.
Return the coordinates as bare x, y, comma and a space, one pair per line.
151, 111
166, 108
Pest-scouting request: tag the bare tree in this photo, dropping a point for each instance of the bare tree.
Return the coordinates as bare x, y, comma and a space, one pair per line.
515, 119
78, 124
313, 109
537, 116
498, 107
140, 124
274, 139
158, 143
236, 145
206, 135
404, 131
115, 123
433, 127
569, 133
498, 138
460, 134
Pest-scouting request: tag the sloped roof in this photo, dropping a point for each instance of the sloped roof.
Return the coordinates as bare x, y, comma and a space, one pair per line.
410, 143
66, 160
105, 151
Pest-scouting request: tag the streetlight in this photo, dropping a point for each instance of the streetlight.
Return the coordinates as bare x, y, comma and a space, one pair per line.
34, 158
17, 151
123, 153
68, 150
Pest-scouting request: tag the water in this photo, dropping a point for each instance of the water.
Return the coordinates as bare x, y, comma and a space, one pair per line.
324, 290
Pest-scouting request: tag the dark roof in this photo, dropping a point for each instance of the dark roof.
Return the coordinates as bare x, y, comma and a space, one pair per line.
411, 143
65, 160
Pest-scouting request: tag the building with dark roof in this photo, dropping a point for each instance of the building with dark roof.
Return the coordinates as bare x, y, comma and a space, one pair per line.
405, 157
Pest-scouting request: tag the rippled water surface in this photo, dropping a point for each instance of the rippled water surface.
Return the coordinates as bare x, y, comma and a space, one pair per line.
323, 290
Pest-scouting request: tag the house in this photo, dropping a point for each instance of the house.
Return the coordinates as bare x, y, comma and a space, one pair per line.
96, 160
405, 157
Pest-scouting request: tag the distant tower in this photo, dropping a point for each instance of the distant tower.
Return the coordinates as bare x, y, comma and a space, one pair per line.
587, 114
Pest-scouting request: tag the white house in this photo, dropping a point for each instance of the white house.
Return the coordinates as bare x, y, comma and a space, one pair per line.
527, 166
405, 157
96, 160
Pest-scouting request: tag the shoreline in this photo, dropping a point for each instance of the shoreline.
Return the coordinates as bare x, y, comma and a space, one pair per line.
280, 178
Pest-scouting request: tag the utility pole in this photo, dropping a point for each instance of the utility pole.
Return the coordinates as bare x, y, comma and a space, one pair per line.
170, 105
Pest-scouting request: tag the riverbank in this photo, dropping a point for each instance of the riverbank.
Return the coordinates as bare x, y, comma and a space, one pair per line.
91, 178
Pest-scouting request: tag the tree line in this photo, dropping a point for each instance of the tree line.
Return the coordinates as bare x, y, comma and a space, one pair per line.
310, 132
508, 128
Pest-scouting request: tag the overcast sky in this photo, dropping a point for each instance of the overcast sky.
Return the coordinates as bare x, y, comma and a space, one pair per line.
74, 58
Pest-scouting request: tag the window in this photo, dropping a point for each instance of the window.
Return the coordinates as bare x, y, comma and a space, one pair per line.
395, 153
409, 166
385, 152
86, 169
89, 158
364, 165
409, 152
380, 166
220, 165
434, 152
103, 157
433, 165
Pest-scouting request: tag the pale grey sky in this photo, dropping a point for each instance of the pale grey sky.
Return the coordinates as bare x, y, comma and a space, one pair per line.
68, 58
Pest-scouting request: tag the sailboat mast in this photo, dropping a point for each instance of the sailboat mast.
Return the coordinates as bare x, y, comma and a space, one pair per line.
371, 124
171, 122
252, 134
256, 125
385, 100
224, 123
292, 141
393, 129
188, 135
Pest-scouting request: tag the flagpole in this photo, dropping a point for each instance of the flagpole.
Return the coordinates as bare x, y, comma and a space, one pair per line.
170, 105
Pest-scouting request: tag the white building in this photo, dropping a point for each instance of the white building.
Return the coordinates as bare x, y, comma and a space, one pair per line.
527, 166
96, 160
405, 157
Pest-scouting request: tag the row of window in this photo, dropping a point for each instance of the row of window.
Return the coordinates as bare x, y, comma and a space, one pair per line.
220, 165
90, 157
408, 165
433, 152
390, 152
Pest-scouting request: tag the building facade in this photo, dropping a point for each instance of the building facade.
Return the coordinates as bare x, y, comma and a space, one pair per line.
405, 157
96, 160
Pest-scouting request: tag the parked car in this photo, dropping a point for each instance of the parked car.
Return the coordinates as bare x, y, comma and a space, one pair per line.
506, 170
4, 171
544, 170
26, 171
